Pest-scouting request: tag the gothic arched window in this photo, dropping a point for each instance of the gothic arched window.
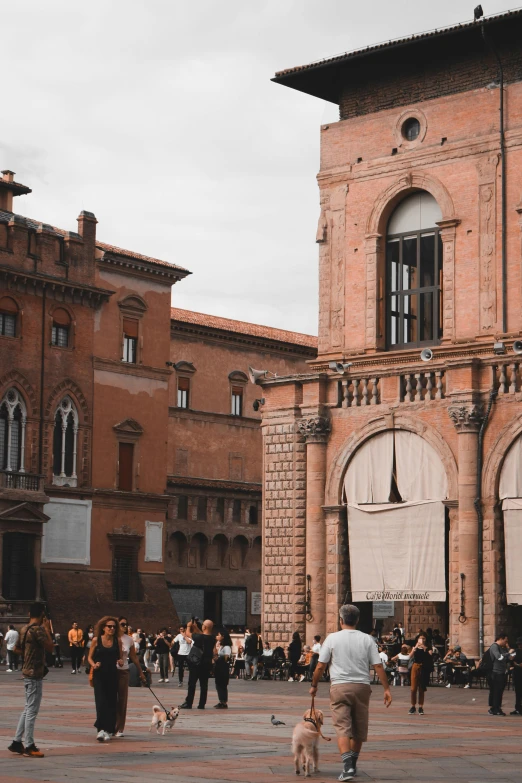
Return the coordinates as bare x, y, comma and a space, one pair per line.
414, 273
65, 442
13, 417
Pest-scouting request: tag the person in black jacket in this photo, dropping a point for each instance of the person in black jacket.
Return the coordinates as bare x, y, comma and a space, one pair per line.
253, 649
204, 639
421, 670
294, 653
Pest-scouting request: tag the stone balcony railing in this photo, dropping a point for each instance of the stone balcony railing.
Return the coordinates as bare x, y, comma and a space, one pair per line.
10, 479
420, 386
355, 392
508, 377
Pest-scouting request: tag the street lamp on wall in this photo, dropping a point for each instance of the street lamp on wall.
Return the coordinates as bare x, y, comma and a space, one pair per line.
462, 615
308, 602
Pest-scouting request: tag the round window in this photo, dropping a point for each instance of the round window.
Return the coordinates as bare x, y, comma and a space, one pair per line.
411, 129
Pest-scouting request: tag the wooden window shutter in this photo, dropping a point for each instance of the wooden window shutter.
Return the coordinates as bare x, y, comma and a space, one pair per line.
126, 459
130, 327
61, 317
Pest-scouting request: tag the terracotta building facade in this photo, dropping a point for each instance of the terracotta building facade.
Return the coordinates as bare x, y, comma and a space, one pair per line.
214, 527
391, 467
84, 401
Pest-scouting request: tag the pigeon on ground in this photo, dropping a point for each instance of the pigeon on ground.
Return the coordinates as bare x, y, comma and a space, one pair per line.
276, 722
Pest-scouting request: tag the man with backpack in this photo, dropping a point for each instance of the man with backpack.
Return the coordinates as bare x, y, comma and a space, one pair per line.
495, 663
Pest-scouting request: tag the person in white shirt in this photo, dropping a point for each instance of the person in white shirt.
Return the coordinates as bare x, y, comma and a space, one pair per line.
12, 638
350, 654
184, 648
382, 654
129, 652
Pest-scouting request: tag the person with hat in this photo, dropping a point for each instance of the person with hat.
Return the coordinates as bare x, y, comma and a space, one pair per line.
516, 661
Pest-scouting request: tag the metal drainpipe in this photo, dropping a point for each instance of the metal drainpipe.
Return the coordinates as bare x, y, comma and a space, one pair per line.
42, 378
503, 176
480, 517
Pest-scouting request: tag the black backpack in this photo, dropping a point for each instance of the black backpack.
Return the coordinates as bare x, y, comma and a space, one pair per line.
486, 662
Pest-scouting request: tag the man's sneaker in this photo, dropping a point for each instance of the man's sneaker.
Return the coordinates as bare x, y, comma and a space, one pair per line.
466, 686
448, 685
16, 747
200, 707
412, 711
349, 771
119, 734
180, 685
161, 680
185, 706
33, 751
421, 710
516, 712
491, 712
301, 678
290, 679
73, 671
501, 712
165, 680
9, 670
100, 736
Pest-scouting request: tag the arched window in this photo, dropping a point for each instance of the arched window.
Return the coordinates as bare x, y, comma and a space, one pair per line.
13, 417
8, 317
65, 443
61, 333
414, 273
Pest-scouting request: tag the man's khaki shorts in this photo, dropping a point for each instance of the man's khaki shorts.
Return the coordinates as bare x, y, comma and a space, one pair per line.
350, 702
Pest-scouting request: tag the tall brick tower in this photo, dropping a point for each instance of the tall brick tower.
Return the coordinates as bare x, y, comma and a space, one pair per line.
391, 468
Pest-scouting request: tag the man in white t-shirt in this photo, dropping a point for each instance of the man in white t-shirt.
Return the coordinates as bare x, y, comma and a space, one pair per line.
129, 652
350, 654
11, 642
184, 648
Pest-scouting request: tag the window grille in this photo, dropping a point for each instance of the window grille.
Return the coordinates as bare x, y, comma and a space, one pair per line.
125, 579
60, 336
7, 325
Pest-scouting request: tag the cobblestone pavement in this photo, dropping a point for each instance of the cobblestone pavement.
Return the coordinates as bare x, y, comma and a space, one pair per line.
456, 739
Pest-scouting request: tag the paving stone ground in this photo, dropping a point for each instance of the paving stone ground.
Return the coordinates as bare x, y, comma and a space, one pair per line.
455, 740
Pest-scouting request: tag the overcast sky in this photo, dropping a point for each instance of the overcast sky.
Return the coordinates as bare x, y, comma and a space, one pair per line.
160, 117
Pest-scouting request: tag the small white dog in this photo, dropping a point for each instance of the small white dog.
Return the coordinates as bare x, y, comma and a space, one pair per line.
160, 720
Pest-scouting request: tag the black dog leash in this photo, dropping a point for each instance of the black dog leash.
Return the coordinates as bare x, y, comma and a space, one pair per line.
165, 710
313, 721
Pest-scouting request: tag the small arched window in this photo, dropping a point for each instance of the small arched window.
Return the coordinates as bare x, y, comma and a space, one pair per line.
8, 317
61, 334
414, 273
13, 417
65, 443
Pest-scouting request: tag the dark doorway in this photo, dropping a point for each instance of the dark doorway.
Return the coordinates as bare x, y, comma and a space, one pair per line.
18, 571
212, 606
366, 619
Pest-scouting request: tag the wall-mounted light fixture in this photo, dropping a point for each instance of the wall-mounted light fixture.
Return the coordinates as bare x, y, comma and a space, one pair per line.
462, 615
308, 602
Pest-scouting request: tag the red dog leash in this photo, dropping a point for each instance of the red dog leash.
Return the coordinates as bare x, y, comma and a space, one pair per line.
313, 720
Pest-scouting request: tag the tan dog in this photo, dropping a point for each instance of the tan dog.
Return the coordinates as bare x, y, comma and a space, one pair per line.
305, 742
159, 719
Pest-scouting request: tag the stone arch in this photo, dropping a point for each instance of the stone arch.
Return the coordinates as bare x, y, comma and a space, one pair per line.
178, 548
20, 382
390, 197
239, 550
222, 544
496, 455
70, 388
199, 550
339, 465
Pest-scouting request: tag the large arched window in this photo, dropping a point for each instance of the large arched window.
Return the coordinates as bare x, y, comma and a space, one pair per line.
13, 417
414, 273
65, 442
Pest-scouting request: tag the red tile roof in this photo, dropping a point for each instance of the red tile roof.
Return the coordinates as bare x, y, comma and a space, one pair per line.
242, 327
118, 251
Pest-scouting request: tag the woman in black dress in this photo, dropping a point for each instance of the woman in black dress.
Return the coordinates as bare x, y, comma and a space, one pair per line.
222, 668
294, 653
421, 670
105, 655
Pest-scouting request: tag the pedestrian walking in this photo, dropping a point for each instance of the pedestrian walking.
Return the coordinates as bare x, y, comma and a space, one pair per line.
350, 654
35, 642
499, 653
105, 656
12, 639
205, 641
88, 636
162, 646
420, 672
253, 650
183, 651
129, 652
516, 662
294, 654
222, 668
75, 637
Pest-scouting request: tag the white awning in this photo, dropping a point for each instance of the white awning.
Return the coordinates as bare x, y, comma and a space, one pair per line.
512, 508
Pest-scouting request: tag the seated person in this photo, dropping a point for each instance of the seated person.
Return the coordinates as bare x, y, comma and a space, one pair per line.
268, 660
239, 662
457, 671
303, 663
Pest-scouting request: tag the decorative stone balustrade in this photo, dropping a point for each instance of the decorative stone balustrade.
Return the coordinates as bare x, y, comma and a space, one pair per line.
423, 386
355, 392
508, 377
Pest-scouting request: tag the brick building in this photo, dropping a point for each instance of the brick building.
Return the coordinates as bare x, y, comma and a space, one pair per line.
130, 452
399, 486
84, 401
213, 555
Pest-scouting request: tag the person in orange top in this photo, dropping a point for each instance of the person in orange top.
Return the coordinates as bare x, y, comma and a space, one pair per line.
75, 637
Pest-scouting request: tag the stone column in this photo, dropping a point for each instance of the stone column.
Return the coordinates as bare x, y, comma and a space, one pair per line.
467, 419
337, 571
316, 431
1, 562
